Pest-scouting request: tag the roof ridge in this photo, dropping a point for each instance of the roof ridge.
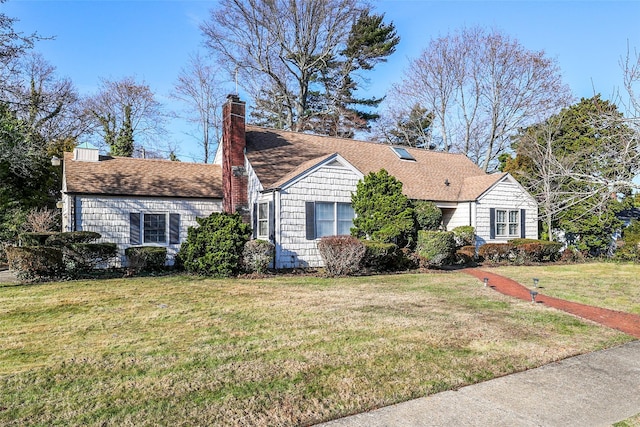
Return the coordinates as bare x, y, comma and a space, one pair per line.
341, 138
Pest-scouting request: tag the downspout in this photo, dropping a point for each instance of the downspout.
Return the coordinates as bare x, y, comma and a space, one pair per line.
74, 213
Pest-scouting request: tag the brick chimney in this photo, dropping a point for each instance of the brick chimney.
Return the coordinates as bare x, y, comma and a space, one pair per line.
234, 174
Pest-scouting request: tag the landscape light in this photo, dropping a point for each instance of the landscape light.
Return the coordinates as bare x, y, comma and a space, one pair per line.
486, 281
535, 283
55, 161
533, 296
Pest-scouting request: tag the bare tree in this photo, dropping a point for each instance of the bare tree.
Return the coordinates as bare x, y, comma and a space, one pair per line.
122, 104
199, 87
482, 87
297, 58
48, 104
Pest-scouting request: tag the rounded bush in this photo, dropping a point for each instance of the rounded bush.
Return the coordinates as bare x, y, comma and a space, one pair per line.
257, 255
437, 248
428, 215
80, 257
464, 235
215, 247
146, 258
496, 252
342, 255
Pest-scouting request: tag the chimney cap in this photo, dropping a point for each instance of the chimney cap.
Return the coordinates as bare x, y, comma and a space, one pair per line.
233, 97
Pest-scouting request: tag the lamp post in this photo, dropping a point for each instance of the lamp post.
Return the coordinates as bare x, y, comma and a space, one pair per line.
55, 161
533, 296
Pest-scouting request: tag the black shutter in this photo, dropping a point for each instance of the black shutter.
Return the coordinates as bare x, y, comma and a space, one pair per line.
254, 221
174, 228
492, 223
272, 222
523, 225
310, 215
134, 228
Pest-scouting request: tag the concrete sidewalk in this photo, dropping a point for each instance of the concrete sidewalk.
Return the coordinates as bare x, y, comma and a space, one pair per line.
595, 389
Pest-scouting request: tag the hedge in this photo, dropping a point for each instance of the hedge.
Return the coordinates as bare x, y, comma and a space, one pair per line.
380, 256
146, 258
464, 235
82, 257
436, 248
72, 237
35, 239
496, 252
35, 262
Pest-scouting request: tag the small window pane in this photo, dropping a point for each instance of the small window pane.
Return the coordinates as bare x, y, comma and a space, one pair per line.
263, 210
263, 220
325, 219
501, 216
513, 216
513, 229
500, 229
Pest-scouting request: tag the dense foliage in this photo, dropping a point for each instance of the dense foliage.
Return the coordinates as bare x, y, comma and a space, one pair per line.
146, 258
465, 235
215, 247
428, 215
257, 255
383, 213
436, 248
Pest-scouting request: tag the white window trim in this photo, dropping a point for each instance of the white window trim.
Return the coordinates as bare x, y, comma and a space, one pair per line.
507, 223
335, 218
259, 219
166, 229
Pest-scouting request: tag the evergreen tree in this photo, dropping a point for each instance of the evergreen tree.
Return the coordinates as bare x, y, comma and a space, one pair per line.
383, 213
123, 145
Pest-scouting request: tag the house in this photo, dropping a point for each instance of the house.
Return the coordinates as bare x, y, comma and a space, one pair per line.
292, 187
133, 201
296, 187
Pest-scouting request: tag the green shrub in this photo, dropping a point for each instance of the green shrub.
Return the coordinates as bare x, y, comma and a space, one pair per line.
496, 252
215, 247
257, 255
630, 248
428, 215
383, 213
35, 239
464, 235
82, 257
72, 237
146, 258
35, 262
437, 248
379, 256
342, 255
533, 250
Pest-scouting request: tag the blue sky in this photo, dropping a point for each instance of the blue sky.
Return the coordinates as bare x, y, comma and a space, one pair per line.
152, 39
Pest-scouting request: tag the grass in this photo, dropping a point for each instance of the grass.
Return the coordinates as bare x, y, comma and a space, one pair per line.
629, 422
281, 351
609, 285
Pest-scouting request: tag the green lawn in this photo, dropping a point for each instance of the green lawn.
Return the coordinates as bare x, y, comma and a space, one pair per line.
610, 285
280, 351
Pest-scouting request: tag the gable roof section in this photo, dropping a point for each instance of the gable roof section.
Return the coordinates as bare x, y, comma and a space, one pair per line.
126, 176
276, 155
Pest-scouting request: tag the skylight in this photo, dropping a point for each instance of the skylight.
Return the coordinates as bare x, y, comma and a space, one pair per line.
403, 153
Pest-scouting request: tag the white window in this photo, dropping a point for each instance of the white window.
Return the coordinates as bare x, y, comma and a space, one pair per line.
155, 228
263, 220
507, 223
333, 218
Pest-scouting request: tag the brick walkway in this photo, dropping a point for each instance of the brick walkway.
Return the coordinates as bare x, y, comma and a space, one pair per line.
625, 322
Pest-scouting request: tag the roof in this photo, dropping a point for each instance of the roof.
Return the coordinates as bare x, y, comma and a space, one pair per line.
127, 176
277, 155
